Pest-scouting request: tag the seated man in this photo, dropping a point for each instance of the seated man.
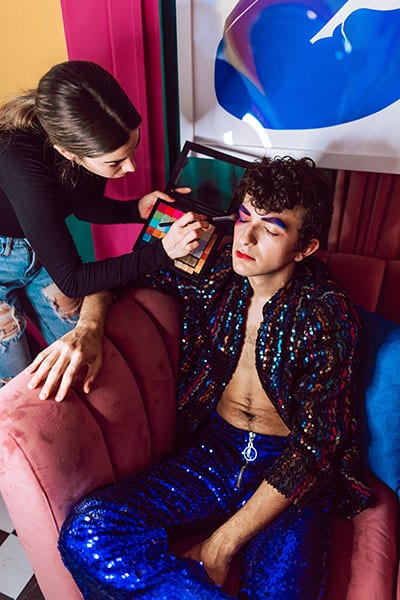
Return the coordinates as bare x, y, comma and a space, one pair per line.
267, 436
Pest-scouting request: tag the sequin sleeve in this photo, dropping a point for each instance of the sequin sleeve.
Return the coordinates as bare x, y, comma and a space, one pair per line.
317, 394
201, 291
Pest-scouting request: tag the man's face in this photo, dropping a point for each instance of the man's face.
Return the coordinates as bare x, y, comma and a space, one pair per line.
266, 244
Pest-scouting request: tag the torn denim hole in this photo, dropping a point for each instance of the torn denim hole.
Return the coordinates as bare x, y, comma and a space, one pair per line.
67, 308
12, 325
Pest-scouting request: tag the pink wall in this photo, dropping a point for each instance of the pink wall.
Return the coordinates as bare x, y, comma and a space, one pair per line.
124, 37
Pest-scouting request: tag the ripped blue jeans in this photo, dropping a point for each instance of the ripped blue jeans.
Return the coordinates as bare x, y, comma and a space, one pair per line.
27, 289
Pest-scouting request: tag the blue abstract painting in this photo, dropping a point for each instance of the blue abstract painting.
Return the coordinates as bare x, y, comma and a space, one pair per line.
306, 64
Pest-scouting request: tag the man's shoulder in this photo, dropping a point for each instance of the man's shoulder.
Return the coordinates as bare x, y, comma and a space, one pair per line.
316, 279
321, 295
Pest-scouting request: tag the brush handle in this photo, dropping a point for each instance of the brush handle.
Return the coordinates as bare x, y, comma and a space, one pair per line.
224, 218
221, 219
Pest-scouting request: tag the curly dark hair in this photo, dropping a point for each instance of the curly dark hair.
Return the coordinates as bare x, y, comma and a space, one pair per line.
279, 183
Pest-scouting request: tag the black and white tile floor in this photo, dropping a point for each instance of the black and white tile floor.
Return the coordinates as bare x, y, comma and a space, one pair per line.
17, 581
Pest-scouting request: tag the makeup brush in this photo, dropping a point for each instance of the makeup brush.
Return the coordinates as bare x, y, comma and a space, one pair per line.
221, 219
166, 223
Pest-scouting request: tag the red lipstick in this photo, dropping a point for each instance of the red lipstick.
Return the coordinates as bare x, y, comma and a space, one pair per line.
243, 256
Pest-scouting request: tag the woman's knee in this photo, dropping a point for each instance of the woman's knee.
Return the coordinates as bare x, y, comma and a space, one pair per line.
15, 354
12, 324
65, 307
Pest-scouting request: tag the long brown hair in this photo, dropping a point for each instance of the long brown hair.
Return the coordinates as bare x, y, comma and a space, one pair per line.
79, 106
19, 112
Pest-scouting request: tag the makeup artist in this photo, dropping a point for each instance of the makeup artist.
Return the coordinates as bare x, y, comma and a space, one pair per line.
59, 144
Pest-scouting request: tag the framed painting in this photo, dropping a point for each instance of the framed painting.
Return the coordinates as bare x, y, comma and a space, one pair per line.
303, 77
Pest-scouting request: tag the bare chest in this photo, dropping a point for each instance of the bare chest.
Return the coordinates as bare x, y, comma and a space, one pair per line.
245, 382
244, 402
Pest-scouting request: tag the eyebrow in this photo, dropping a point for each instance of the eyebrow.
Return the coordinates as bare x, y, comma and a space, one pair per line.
273, 220
114, 162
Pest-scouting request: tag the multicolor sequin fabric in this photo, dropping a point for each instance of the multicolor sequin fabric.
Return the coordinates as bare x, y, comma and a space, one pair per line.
306, 354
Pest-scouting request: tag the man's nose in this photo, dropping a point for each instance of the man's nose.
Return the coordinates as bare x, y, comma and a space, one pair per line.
248, 236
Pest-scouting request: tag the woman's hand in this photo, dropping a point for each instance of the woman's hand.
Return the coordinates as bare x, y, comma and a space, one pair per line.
59, 364
148, 201
182, 237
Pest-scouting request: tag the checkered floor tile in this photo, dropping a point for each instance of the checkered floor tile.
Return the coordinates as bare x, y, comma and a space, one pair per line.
16, 576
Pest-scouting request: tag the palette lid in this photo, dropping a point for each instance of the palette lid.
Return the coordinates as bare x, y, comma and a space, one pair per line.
212, 175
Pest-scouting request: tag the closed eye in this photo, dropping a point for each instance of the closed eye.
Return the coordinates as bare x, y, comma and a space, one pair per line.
274, 233
241, 219
242, 214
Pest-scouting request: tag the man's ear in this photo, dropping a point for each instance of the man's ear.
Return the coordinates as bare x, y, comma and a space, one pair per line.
65, 153
311, 247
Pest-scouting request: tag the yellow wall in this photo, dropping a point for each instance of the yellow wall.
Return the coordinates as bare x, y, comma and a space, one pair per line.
31, 41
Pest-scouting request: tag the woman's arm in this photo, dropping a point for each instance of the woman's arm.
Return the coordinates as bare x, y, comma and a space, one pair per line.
57, 366
91, 204
39, 205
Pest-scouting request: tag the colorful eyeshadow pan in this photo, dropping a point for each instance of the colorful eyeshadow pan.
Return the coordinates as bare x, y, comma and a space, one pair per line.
194, 262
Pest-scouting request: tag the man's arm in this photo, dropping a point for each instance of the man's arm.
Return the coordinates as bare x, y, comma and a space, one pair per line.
58, 364
217, 551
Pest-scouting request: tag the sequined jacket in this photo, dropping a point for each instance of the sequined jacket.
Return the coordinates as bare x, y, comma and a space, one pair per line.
305, 356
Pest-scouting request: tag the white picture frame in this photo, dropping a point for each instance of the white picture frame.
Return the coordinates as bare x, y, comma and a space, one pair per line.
371, 143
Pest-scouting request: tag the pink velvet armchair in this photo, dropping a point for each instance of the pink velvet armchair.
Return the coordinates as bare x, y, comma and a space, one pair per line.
53, 454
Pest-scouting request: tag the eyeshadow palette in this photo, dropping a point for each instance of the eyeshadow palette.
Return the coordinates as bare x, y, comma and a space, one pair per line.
159, 223
213, 177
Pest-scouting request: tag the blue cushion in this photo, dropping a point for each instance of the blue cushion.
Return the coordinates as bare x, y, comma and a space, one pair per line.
379, 397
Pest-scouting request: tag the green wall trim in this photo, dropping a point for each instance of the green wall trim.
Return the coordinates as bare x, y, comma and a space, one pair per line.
82, 235
169, 61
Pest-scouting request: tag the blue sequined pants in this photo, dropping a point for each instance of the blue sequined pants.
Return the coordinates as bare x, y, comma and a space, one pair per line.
115, 541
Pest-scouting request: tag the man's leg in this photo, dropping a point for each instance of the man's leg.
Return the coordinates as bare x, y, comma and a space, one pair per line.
115, 541
114, 552
288, 560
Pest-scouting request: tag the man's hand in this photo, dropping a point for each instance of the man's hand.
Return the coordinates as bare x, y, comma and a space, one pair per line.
59, 364
215, 556
217, 551
148, 201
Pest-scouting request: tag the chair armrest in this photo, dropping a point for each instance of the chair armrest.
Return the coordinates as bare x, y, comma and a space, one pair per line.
52, 454
364, 554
